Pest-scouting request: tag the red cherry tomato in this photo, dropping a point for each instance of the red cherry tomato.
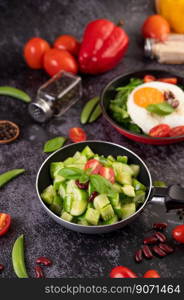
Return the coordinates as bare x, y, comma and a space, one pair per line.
56, 60
178, 233
122, 272
108, 173
34, 51
149, 78
69, 43
161, 130
156, 27
94, 165
77, 134
5, 221
151, 274
172, 80
177, 131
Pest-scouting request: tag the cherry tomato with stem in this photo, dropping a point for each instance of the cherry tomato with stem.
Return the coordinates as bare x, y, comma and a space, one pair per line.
151, 274
108, 173
172, 80
77, 134
5, 222
122, 272
94, 165
69, 43
56, 60
178, 233
149, 78
161, 130
156, 27
34, 51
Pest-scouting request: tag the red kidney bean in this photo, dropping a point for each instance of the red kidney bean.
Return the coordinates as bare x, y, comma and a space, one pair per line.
159, 226
159, 251
1, 267
166, 248
138, 256
175, 103
38, 272
92, 196
150, 240
82, 186
168, 95
161, 237
147, 251
44, 261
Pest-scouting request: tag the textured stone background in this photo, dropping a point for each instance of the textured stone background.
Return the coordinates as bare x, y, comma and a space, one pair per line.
74, 255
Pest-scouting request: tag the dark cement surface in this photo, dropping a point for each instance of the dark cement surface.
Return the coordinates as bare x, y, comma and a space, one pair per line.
74, 255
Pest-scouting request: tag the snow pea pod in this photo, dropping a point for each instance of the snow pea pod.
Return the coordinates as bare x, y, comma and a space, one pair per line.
18, 259
7, 176
15, 93
88, 109
95, 114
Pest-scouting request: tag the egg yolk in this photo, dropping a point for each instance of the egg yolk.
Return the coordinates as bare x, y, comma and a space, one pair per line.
148, 95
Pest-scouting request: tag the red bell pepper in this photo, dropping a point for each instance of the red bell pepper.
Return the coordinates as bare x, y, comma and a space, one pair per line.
104, 44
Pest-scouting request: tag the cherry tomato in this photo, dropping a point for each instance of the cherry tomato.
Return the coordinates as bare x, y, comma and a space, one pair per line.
122, 272
5, 221
69, 43
108, 173
56, 60
151, 274
177, 131
94, 165
77, 134
172, 80
149, 78
162, 130
178, 233
155, 27
34, 51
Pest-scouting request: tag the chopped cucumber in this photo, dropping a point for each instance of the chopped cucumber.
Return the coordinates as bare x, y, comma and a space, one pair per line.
100, 201
107, 212
113, 220
66, 216
83, 222
79, 203
111, 158
79, 158
128, 190
138, 185
117, 187
139, 197
115, 202
48, 194
56, 205
62, 189
128, 210
123, 159
92, 216
70, 186
123, 173
57, 181
135, 169
55, 167
87, 152
67, 203
68, 161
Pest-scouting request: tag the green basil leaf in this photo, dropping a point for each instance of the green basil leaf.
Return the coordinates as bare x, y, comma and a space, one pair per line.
84, 178
161, 109
54, 144
71, 173
102, 185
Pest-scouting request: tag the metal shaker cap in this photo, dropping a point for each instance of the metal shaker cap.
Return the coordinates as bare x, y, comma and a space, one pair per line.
148, 48
40, 110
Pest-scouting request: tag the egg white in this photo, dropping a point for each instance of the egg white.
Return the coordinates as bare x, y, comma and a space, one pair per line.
147, 120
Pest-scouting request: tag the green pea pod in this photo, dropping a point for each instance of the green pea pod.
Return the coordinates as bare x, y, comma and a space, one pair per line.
18, 259
15, 93
7, 176
88, 109
95, 114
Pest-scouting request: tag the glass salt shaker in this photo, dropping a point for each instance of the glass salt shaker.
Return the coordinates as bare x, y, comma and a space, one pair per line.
56, 96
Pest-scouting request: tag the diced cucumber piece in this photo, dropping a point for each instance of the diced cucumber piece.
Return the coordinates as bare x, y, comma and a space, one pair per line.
117, 187
57, 181
123, 159
48, 194
123, 173
115, 202
135, 169
68, 161
67, 203
113, 220
70, 186
62, 190
100, 201
79, 203
55, 167
78, 158
56, 205
66, 216
88, 152
111, 158
139, 197
92, 216
83, 222
128, 210
128, 190
138, 185
78, 166
107, 212
97, 157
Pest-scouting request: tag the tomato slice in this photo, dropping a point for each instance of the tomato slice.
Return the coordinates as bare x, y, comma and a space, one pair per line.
161, 130
122, 272
151, 274
5, 221
149, 78
172, 80
94, 165
178, 233
177, 131
108, 173
77, 134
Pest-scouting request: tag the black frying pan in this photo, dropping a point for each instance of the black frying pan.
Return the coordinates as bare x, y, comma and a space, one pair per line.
173, 195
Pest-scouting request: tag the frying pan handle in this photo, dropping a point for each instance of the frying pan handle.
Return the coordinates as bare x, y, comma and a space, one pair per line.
174, 196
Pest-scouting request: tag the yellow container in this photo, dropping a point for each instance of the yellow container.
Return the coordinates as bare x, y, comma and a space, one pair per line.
173, 12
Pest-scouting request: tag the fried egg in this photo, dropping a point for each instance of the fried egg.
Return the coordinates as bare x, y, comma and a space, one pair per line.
153, 93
